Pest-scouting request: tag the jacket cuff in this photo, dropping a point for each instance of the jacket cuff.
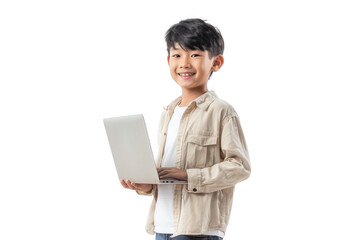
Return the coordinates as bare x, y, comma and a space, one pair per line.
194, 181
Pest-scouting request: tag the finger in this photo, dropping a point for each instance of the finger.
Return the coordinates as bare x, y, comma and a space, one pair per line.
168, 170
172, 173
124, 183
166, 174
128, 182
163, 172
164, 168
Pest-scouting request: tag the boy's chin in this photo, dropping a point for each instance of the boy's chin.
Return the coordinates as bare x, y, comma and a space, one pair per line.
193, 88
190, 85
186, 86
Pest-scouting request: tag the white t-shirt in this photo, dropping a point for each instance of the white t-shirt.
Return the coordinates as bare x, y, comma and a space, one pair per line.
163, 216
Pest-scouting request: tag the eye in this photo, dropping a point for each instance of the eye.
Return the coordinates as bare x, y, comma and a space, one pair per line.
176, 55
195, 55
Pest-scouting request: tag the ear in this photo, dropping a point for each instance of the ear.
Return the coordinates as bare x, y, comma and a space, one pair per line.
168, 59
217, 63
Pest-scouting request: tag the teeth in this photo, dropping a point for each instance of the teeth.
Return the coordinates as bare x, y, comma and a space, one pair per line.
185, 74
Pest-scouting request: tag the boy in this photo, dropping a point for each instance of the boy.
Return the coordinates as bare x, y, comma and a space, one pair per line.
200, 141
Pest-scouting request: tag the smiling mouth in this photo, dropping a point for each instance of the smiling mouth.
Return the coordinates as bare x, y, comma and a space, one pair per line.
186, 75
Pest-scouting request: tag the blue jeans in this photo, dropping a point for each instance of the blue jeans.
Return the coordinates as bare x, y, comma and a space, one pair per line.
162, 236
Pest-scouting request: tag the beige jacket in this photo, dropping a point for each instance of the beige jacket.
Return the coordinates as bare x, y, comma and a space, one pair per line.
211, 147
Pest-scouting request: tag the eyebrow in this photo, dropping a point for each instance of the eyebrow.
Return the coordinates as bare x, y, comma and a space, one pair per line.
187, 50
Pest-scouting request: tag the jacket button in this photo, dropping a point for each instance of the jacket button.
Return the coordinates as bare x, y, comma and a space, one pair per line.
194, 190
165, 134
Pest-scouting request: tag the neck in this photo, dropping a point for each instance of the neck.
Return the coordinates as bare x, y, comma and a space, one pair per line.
189, 95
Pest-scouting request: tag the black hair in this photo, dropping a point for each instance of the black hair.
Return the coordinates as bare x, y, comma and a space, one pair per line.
195, 34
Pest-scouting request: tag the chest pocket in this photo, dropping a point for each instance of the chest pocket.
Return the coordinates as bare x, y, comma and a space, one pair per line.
200, 151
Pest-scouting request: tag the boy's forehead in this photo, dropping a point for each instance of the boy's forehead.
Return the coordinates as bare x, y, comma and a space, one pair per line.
177, 46
177, 49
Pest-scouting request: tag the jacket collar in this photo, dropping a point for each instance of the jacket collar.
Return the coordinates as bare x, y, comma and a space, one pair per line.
202, 102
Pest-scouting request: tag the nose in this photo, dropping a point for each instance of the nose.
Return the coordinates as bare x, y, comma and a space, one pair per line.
184, 62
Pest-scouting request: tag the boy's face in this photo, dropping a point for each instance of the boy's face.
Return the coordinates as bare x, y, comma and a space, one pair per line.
191, 69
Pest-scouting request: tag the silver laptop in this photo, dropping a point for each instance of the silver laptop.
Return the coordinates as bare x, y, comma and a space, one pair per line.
131, 149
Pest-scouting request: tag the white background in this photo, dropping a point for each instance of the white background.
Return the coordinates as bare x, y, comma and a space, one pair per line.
66, 65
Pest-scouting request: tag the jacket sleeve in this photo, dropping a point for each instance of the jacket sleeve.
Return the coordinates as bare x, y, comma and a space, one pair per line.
235, 166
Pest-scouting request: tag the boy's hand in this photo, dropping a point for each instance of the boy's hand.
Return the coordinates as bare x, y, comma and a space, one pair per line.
136, 186
172, 172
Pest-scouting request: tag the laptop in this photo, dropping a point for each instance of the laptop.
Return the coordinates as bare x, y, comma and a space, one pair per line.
131, 149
